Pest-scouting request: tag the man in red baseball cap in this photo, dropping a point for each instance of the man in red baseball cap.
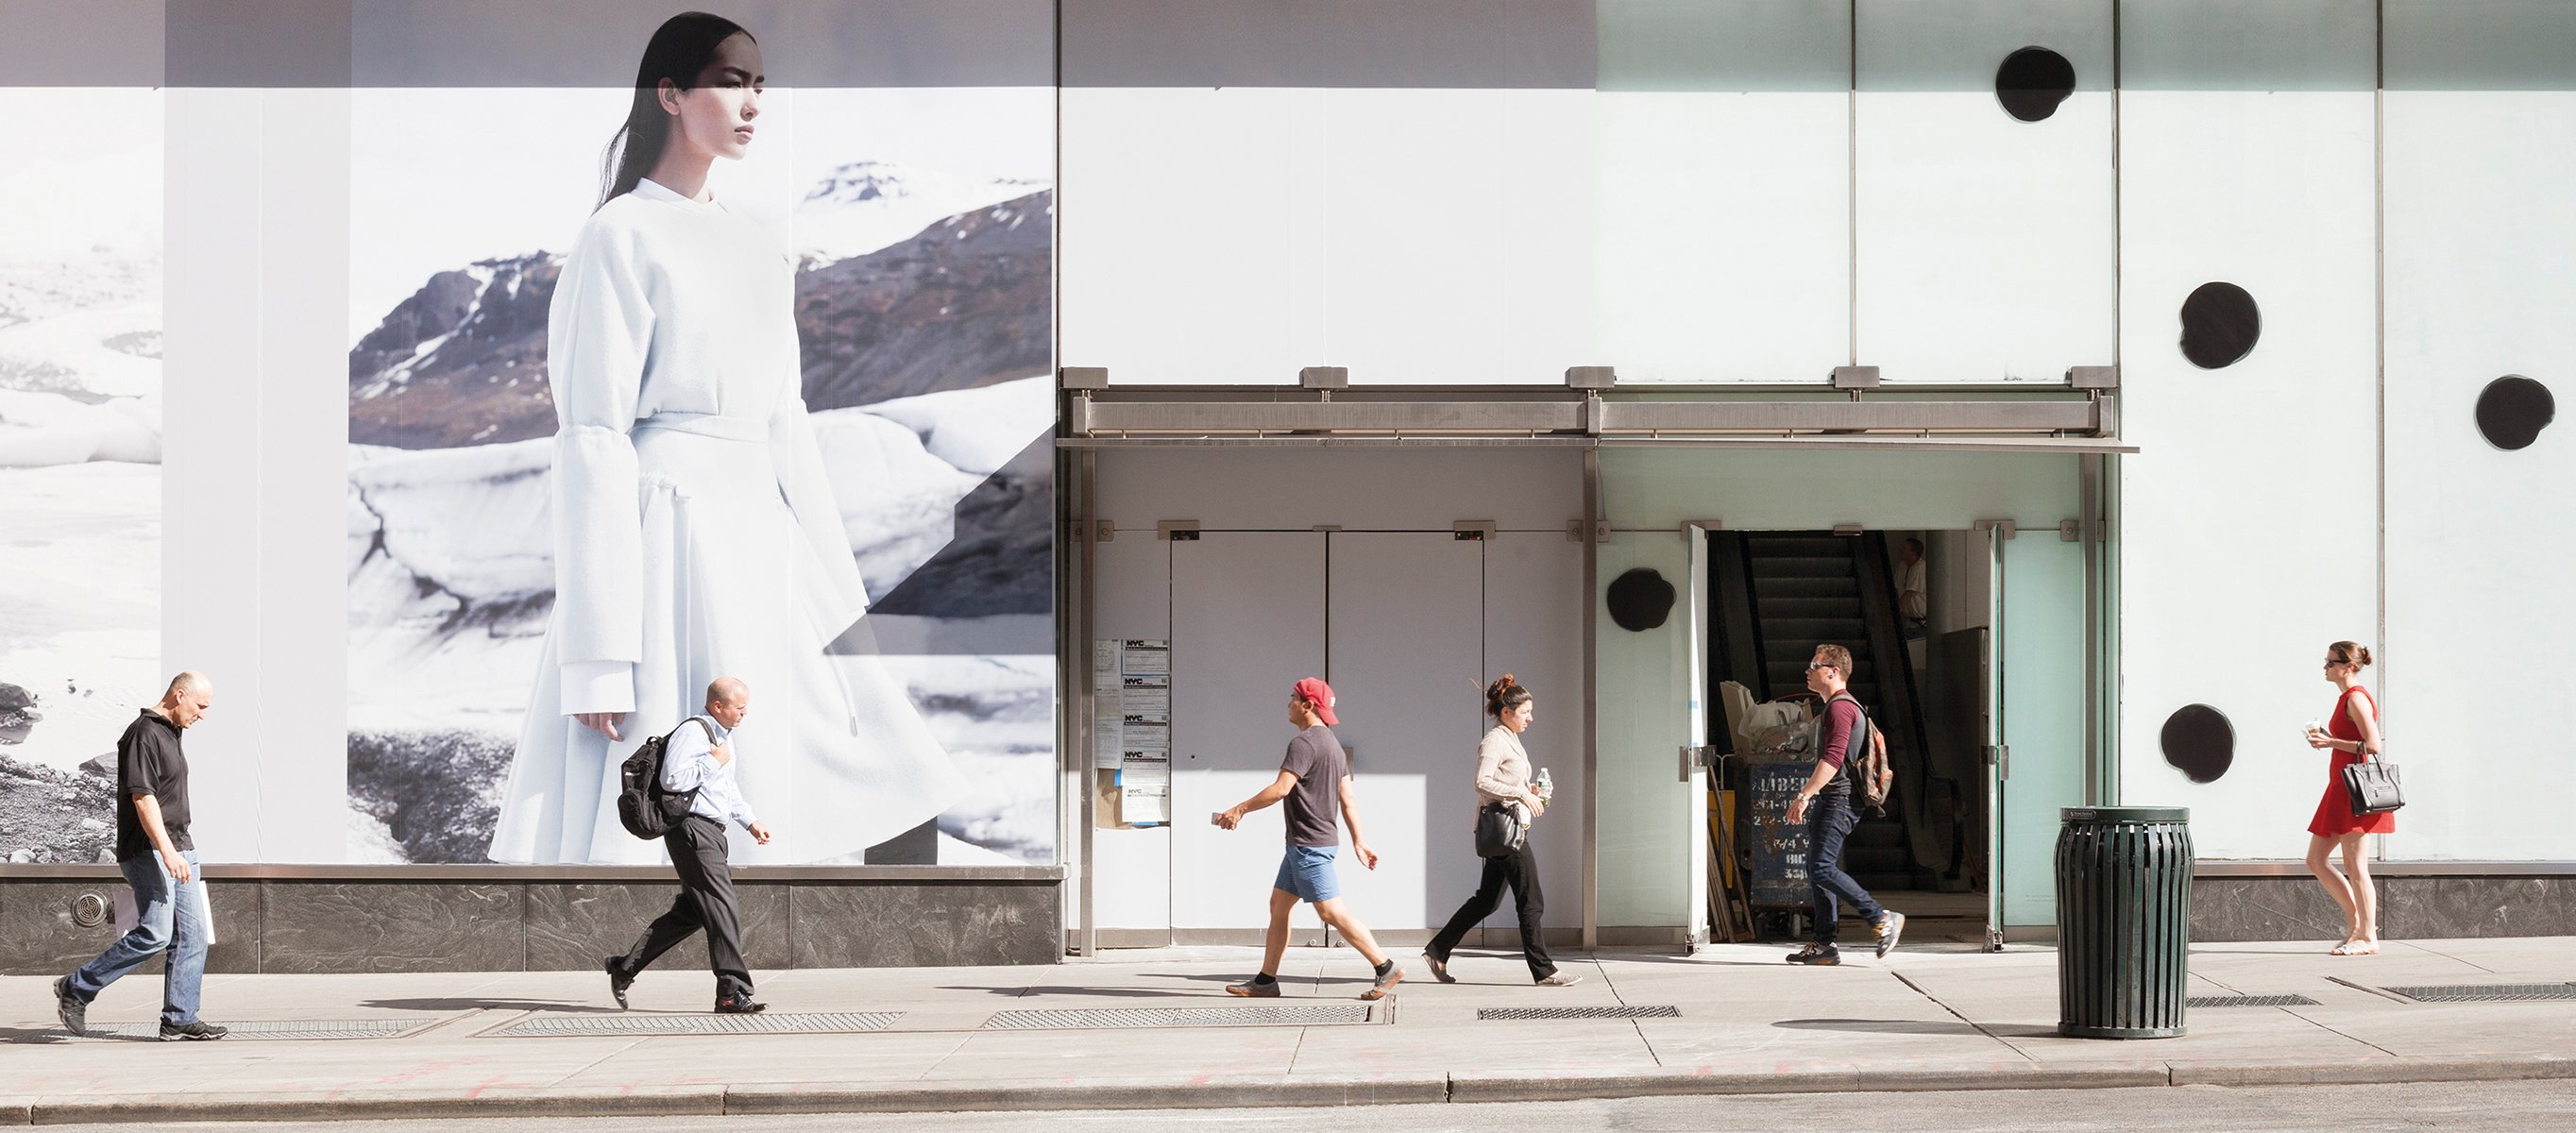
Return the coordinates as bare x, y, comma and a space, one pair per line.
1315, 782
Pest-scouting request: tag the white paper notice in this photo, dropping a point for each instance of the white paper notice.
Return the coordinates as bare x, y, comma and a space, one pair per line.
1137, 658
1106, 717
1146, 700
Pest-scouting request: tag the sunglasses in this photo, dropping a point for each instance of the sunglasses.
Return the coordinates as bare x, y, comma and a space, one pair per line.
2331, 662
1814, 665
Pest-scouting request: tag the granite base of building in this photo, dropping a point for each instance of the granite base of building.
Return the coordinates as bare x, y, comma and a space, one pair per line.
503, 924
2286, 906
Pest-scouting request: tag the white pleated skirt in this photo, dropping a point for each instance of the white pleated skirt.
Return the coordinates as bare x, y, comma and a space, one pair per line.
832, 757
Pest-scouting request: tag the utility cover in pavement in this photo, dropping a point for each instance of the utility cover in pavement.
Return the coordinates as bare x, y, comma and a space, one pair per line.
767, 1023
2199, 1001
285, 1028
1293, 1015
2485, 993
1515, 1014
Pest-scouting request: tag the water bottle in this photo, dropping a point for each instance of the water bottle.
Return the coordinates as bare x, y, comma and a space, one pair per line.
1543, 786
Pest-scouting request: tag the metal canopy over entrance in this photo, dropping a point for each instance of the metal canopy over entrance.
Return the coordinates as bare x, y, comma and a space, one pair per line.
2080, 417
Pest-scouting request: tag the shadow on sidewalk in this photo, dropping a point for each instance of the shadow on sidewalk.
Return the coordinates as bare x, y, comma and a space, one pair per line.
1882, 1026
48, 1036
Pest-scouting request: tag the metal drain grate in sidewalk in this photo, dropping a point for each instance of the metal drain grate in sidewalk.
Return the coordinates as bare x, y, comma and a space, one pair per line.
2200, 1001
1521, 1014
812, 1022
2485, 993
1294, 1015
284, 1029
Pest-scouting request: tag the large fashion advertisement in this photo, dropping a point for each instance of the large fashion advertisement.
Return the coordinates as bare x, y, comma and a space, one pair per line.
713, 376
80, 461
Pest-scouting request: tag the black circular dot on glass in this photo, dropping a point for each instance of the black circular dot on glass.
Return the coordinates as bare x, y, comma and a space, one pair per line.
2032, 82
2512, 411
2219, 325
1640, 600
2199, 742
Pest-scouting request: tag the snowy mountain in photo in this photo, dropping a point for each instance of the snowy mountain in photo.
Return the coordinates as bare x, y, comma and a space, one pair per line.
80, 452
944, 297
865, 206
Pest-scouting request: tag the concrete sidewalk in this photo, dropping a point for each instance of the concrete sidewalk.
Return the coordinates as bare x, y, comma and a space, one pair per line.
1940, 1018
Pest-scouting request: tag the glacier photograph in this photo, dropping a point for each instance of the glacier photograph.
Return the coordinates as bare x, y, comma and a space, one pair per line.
80, 463
919, 224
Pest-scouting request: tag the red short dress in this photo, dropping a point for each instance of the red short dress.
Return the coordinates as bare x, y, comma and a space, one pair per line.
2334, 812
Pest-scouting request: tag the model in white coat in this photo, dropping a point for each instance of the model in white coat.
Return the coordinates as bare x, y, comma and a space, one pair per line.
696, 534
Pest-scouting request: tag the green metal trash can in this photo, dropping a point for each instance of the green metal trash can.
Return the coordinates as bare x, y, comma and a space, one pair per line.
2123, 921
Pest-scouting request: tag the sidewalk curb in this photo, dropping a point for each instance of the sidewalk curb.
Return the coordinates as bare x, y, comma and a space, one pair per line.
1114, 1093
2444, 1068
380, 1105
1254, 1091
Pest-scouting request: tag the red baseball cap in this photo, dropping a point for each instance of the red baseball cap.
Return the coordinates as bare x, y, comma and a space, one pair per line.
1318, 696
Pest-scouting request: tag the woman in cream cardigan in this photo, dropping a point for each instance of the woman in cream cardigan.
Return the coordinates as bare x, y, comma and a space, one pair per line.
696, 533
1503, 779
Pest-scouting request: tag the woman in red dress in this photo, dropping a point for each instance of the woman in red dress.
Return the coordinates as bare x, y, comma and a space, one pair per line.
2352, 734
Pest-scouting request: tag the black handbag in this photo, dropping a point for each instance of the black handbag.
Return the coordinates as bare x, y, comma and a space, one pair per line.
2373, 787
1499, 830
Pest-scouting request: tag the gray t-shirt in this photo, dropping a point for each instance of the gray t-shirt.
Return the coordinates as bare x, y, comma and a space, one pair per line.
1315, 806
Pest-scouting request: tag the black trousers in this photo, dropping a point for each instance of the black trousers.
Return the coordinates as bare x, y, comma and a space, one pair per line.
1520, 870
706, 901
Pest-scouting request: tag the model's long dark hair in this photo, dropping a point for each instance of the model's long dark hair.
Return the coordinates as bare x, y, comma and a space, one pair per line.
679, 51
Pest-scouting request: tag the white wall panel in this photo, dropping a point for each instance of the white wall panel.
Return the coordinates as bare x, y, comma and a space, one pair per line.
1458, 235
2481, 146
253, 549
1984, 244
2246, 157
1357, 488
1405, 651
1534, 630
1724, 171
1415, 236
1130, 869
1191, 228
1643, 832
1780, 490
1247, 622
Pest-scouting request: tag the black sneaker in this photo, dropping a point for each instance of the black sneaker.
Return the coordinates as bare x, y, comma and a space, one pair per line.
197, 1030
739, 1005
69, 1008
618, 980
1820, 955
1890, 926
1254, 989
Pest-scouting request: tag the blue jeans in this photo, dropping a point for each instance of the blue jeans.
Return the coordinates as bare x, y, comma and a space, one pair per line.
1829, 821
168, 917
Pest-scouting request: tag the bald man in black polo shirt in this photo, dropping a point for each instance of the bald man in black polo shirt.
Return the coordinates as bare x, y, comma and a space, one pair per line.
158, 859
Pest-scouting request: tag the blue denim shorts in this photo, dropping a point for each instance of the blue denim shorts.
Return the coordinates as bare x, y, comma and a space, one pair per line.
1308, 872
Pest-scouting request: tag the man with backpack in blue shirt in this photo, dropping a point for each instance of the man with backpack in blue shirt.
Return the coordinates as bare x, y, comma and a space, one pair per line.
698, 763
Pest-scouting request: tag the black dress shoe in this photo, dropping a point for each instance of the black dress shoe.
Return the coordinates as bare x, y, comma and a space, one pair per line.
739, 1005
618, 980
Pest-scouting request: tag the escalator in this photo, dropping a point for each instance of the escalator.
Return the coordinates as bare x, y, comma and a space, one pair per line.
1778, 595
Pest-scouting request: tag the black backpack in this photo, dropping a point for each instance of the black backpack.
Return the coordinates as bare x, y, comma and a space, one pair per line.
643, 807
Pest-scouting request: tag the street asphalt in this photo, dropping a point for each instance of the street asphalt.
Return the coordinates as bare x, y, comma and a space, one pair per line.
1729, 1020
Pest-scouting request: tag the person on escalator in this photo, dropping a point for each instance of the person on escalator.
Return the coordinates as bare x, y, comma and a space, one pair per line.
1824, 804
